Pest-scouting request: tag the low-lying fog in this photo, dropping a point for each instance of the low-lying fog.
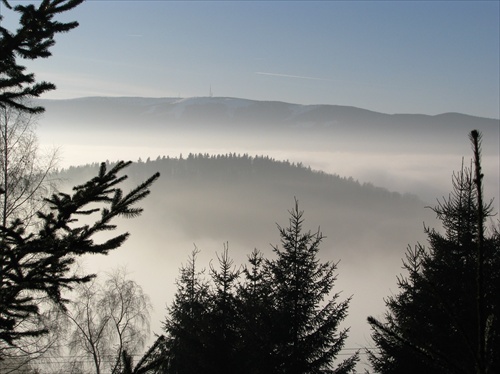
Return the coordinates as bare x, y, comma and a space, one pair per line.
369, 240
425, 174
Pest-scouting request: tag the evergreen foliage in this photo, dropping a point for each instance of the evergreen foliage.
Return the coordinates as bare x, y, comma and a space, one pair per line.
444, 320
185, 325
306, 335
222, 324
226, 172
256, 316
33, 39
36, 266
151, 362
281, 318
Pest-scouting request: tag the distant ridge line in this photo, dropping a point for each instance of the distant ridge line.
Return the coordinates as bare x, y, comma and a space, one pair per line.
215, 99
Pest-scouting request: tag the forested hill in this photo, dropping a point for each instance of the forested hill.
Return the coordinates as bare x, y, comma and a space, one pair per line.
239, 198
230, 171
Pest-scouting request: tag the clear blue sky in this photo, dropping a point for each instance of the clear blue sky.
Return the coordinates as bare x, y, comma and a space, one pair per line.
389, 56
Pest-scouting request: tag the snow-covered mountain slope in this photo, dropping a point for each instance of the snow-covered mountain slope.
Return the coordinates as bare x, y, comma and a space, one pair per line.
234, 112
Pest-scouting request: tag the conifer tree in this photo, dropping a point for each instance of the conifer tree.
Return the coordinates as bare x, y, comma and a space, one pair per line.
306, 316
32, 40
223, 320
185, 326
445, 318
283, 318
202, 327
36, 266
255, 312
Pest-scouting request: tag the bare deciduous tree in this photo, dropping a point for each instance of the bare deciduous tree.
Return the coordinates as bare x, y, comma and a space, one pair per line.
24, 183
25, 356
108, 319
24, 170
36, 266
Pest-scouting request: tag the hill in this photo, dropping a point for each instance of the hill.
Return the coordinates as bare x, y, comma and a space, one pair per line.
208, 200
403, 152
211, 113
240, 191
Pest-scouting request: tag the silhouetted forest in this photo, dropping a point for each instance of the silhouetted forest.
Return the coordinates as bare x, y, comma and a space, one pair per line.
243, 171
233, 197
269, 316
237, 199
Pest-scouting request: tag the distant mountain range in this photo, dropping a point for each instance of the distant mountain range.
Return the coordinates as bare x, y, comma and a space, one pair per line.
331, 138
243, 114
213, 195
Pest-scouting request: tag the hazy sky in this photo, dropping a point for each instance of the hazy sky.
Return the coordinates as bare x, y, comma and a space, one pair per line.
394, 56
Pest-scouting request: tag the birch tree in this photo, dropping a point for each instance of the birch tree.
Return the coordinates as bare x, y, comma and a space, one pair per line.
109, 319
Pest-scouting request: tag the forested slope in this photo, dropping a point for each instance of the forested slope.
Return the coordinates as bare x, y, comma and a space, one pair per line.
210, 201
237, 197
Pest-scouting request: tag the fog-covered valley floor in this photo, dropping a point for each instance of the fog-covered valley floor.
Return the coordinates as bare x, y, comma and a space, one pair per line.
408, 153
365, 182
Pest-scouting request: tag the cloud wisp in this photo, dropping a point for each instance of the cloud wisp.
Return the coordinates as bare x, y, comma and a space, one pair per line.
292, 76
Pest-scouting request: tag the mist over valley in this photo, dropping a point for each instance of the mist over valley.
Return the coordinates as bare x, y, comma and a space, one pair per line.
332, 208
408, 153
209, 201
231, 168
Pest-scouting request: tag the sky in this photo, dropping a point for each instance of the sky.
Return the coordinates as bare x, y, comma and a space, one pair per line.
426, 57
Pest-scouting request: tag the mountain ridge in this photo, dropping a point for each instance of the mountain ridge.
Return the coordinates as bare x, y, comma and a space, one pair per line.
208, 99
240, 124
369, 145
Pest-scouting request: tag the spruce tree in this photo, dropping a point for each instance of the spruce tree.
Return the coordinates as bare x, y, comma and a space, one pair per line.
283, 317
306, 316
255, 316
32, 40
445, 318
223, 341
203, 327
186, 324
36, 266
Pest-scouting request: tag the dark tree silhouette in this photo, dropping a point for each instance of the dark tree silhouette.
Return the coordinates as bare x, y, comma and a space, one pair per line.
202, 327
282, 318
185, 326
33, 39
150, 363
36, 266
445, 318
256, 312
306, 335
222, 327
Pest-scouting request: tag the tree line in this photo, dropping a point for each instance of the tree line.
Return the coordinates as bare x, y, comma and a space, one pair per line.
277, 315
242, 170
281, 317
